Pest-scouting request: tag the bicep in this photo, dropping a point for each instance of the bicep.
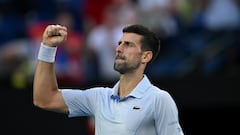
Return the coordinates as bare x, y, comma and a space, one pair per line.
57, 103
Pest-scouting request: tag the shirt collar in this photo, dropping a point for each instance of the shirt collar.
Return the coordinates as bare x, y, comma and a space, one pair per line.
138, 91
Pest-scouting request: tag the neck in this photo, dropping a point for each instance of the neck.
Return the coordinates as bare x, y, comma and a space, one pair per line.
128, 82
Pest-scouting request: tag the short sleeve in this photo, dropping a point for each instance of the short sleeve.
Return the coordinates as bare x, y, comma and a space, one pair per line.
80, 102
166, 115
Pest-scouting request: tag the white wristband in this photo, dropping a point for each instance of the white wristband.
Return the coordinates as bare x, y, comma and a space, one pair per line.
47, 54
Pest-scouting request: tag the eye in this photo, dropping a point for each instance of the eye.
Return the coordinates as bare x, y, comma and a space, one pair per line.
127, 43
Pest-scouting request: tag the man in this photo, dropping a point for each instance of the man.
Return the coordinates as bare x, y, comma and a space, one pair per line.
132, 107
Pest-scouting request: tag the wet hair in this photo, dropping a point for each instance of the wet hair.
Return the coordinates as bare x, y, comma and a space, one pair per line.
150, 41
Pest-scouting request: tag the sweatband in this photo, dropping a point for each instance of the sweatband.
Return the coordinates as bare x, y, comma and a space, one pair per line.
46, 53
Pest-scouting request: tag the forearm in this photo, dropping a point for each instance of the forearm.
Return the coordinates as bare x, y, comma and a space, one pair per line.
45, 89
44, 84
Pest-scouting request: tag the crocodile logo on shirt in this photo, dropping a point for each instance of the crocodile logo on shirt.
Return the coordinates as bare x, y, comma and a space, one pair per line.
136, 108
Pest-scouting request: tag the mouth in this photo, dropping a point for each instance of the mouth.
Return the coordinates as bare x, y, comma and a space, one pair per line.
119, 57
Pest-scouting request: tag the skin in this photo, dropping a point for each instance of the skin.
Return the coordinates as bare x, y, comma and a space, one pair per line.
130, 62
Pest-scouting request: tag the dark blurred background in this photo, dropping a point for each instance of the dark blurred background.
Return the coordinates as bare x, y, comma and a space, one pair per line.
199, 61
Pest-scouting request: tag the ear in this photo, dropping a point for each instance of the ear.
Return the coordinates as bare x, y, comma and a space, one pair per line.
147, 56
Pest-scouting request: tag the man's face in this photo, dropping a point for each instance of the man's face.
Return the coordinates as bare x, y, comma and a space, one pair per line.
128, 53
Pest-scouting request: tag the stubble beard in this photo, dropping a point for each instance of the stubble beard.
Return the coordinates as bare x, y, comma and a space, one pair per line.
123, 67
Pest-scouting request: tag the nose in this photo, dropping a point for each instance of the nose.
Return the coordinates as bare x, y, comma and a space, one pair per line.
119, 48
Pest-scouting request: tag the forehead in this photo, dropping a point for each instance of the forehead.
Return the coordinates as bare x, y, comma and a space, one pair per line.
131, 37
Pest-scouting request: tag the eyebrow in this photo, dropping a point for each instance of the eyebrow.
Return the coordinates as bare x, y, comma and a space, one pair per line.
126, 42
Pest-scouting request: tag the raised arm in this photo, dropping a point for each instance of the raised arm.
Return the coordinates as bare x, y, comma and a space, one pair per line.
46, 94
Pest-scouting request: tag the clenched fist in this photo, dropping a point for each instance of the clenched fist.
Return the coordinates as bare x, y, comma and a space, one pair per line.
54, 35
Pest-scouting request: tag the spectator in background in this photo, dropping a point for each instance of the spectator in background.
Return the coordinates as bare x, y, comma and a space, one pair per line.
94, 11
163, 17
160, 15
14, 61
102, 41
128, 12
69, 55
222, 15
221, 19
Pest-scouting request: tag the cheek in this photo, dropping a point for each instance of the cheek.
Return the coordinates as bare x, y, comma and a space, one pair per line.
135, 58
133, 55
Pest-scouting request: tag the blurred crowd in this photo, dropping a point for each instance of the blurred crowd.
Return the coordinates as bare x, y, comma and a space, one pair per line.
198, 37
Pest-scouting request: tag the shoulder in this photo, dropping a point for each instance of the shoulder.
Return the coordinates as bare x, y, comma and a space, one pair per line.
161, 96
99, 90
159, 92
88, 91
163, 101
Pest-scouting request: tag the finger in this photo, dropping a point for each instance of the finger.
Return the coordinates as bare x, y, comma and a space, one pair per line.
62, 30
56, 30
53, 31
62, 33
61, 27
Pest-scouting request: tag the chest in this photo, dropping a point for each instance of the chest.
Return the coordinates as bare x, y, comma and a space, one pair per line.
127, 116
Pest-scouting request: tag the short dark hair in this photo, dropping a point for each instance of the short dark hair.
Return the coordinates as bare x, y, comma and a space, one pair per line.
150, 41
